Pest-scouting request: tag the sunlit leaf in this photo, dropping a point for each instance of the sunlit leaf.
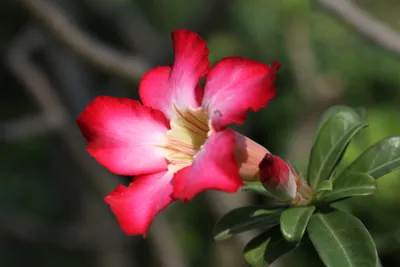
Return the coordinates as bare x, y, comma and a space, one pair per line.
245, 218
378, 160
354, 184
294, 222
266, 248
342, 240
338, 126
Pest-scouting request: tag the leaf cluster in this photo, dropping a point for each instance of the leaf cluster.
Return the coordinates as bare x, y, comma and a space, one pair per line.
340, 239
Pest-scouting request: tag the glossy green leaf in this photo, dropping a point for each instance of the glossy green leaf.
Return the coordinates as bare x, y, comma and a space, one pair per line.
294, 222
266, 248
342, 240
255, 187
324, 186
328, 114
254, 251
378, 160
339, 125
245, 218
354, 184
361, 111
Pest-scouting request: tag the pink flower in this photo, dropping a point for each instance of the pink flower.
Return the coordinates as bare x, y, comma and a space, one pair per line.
177, 143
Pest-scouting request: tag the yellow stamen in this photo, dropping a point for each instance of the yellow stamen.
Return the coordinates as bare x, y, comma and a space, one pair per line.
189, 131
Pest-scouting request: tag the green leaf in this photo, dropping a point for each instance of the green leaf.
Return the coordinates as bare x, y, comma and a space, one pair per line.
342, 240
324, 186
294, 222
354, 184
245, 218
255, 187
361, 111
254, 250
338, 126
328, 114
266, 248
378, 160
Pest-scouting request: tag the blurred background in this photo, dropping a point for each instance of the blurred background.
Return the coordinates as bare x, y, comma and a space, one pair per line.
57, 55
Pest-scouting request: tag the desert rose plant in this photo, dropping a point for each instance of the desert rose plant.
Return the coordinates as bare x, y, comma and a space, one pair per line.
306, 209
177, 143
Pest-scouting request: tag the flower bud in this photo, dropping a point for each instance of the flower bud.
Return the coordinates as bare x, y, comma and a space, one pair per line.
278, 178
248, 155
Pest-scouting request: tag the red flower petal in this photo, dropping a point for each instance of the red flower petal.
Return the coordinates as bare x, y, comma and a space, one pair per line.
162, 87
136, 206
123, 135
214, 167
235, 85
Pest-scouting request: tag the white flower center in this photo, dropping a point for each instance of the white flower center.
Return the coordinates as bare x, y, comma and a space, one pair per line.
188, 133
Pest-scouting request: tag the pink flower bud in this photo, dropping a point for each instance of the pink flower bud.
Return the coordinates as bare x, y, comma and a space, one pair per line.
248, 155
278, 178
